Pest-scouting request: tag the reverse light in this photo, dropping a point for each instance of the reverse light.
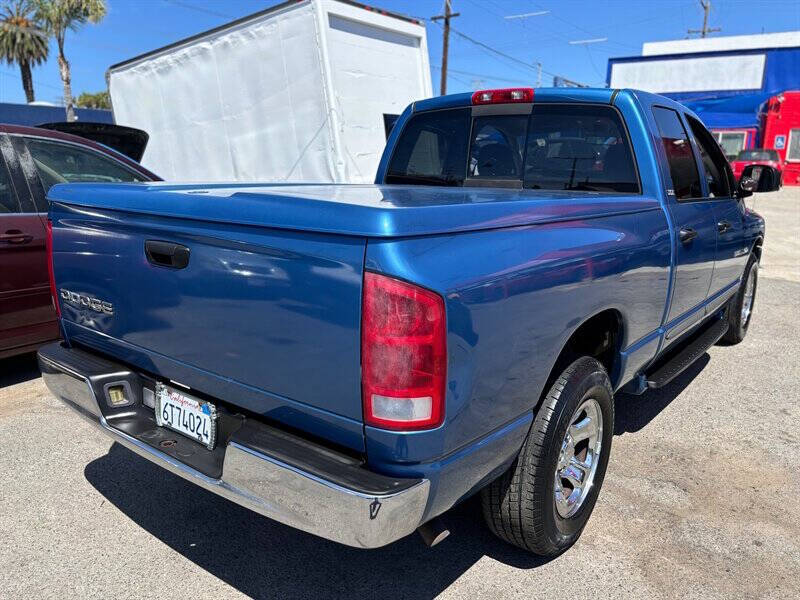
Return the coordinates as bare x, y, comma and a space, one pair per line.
503, 96
50, 271
403, 354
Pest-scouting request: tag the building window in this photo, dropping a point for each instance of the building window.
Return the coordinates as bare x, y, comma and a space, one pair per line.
793, 150
731, 142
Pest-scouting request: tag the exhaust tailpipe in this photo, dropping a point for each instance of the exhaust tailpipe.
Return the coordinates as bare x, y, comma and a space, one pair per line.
433, 532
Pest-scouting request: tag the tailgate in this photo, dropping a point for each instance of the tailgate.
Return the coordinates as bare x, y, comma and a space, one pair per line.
264, 319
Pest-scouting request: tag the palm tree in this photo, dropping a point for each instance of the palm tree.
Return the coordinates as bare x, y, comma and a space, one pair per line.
59, 16
22, 41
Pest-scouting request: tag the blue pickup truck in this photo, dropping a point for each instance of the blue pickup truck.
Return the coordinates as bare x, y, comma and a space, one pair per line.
355, 360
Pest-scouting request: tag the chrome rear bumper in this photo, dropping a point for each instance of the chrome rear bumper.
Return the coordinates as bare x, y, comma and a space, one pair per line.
342, 511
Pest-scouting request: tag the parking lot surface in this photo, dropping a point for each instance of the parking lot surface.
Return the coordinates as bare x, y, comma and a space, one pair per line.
701, 500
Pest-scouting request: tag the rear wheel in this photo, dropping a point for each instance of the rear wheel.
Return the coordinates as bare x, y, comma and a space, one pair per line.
544, 500
740, 307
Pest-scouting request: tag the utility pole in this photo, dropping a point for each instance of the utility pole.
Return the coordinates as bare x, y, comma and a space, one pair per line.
445, 42
706, 4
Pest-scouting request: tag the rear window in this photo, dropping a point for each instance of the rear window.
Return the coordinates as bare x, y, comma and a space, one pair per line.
432, 149
757, 155
556, 147
497, 150
582, 148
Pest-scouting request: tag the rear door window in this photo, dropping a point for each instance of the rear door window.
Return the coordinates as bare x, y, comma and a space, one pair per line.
581, 148
58, 162
8, 198
680, 158
432, 149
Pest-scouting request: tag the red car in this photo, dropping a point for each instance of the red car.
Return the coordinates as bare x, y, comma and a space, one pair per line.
756, 156
33, 159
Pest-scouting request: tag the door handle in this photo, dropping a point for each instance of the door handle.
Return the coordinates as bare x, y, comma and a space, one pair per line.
723, 226
687, 234
15, 236
166, 254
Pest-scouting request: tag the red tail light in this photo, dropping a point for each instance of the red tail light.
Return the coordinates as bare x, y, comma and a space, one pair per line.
50, 272
504, 96
403, 354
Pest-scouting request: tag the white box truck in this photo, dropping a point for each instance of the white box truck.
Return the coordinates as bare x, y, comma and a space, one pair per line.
299, 92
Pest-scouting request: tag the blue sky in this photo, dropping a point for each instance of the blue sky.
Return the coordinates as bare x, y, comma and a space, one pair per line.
136, 26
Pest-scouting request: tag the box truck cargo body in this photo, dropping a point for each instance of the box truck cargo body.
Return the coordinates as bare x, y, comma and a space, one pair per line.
299, 92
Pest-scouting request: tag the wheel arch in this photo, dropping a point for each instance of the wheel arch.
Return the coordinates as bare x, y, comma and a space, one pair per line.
600, 336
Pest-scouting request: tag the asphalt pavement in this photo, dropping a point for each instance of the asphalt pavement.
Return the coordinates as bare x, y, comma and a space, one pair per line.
701, 500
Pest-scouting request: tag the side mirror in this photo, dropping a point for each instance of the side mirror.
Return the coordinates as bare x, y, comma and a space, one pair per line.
747, 185
758, 178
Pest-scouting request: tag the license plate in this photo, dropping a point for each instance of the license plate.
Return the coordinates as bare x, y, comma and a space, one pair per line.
186, 414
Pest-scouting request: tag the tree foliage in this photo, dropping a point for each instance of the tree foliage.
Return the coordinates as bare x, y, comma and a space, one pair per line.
23, 40
96, 100
60, 16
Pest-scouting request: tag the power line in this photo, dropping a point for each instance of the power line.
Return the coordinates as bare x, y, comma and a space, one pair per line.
484, 75
207, 11
534, 67
538, 13
489, 48
591, 41
36, 83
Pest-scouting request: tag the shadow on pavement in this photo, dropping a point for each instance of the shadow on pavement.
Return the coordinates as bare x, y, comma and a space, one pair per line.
265, 559
633, 413
18, 369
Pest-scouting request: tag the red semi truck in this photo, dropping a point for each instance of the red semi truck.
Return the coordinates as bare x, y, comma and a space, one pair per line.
778, 130
781, 131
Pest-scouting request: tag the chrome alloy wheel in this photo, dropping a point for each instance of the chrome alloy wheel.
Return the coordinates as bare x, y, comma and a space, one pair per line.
749, 294
578, 458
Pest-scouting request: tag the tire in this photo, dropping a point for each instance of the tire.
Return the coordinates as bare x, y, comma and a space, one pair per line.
739, 318
520, 506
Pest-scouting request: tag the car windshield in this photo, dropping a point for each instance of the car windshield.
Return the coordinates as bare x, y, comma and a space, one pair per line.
757, 155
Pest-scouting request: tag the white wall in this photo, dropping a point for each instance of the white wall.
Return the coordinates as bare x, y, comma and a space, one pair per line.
294, 95
743, 72
785, 39
378, 65
244, 104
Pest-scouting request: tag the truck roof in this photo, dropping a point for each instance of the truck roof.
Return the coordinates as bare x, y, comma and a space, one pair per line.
561, 94
252, 17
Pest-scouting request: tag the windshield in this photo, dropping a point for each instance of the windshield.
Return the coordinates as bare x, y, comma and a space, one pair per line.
557, 147
757, 155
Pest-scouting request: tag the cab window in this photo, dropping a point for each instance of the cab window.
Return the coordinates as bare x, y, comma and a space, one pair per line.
555, 147
580, 148
497, 147
432, 149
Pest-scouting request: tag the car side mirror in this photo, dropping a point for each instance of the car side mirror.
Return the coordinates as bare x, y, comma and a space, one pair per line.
763, 178
747, 185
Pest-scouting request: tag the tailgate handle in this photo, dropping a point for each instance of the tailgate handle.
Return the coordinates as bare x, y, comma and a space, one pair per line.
166, 254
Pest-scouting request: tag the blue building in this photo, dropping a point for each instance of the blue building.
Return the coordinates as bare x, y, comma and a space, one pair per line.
726, 80
36, 114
